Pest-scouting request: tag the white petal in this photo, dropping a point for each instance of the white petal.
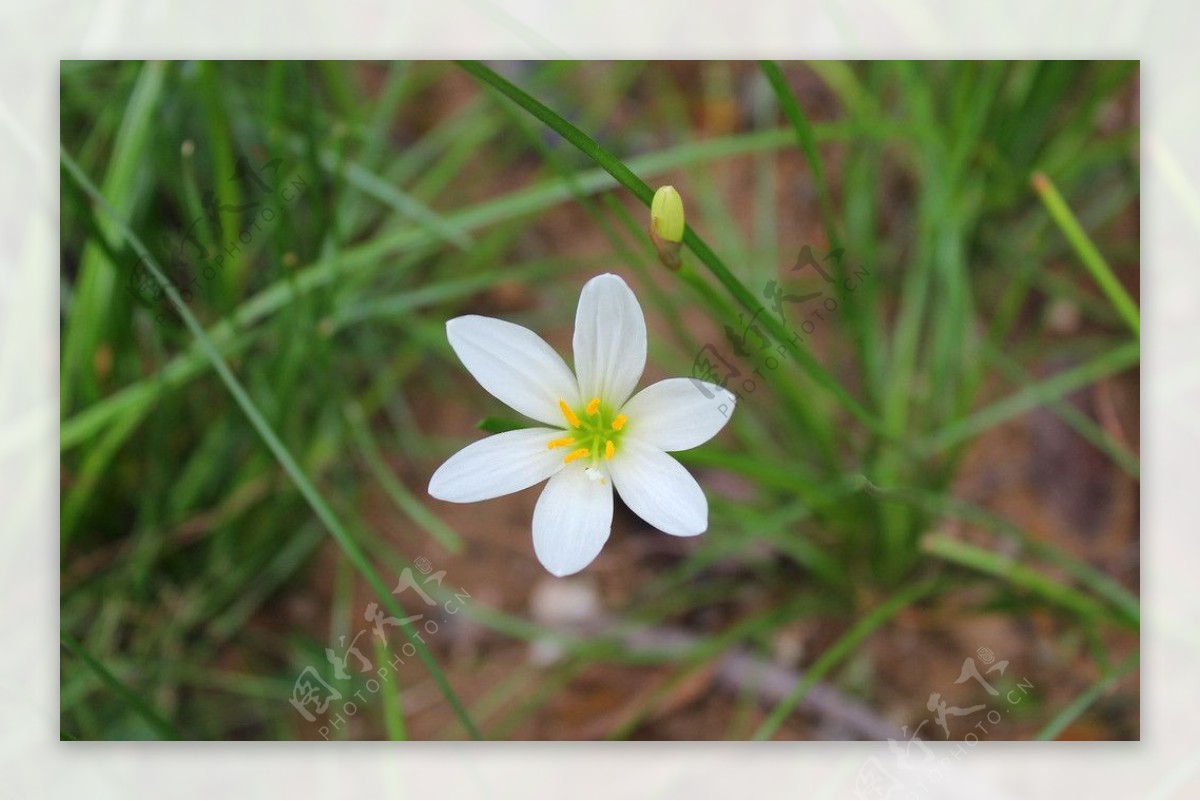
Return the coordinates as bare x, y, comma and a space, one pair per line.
659, 489
678, 413
497, 465
610, 340
515, 365
571, 521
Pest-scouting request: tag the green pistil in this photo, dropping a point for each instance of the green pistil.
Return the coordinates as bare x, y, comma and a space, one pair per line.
594, 431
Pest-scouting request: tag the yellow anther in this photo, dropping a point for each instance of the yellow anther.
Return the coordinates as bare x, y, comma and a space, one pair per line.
558, 443
578, 454
567, 413
619, 422
609, 449
593, 406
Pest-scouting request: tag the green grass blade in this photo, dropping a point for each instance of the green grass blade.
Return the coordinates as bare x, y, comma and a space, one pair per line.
389, 691
1083, 425
1020, 576
839, 651
946, 505
401, 202
91, 308
400, 495
159, 723
808, 143
1054, 388
1087, 252
1073, 710
228, 191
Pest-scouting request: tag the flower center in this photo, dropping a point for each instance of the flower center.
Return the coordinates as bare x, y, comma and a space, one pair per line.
594, 434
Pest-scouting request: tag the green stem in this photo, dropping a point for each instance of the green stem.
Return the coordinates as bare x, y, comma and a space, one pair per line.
698, 246
808, 143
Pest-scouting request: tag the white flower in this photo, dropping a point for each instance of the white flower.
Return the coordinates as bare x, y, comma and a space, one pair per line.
598, 437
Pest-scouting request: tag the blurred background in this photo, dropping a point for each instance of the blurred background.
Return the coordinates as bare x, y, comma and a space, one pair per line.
923, 514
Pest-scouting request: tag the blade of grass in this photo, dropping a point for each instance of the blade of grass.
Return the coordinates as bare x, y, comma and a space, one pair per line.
401, 202
946, 505
322, 509
1079, 421
912, 361
840, 650
808, 143
1071, 712
266, 579
91, 307
82, 486
228, 191
393, 708
1020, 576
159, 723
405, 501
1087, 252
1054, 388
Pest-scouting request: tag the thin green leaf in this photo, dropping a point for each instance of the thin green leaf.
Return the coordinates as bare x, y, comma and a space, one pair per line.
1054, 388
839, 651
159, 723
1070, 713
1087, 252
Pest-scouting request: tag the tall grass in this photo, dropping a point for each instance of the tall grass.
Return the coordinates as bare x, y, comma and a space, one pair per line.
219, 427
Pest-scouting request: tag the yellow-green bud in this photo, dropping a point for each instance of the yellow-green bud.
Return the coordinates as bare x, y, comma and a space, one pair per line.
666, 214
666, 224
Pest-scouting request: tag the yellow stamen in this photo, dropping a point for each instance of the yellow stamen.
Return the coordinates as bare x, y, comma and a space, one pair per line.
609, 449
619, 422
567, 413
593, 406
558, 443
579, 454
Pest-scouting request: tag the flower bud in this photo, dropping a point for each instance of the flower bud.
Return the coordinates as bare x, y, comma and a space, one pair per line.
666, 225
